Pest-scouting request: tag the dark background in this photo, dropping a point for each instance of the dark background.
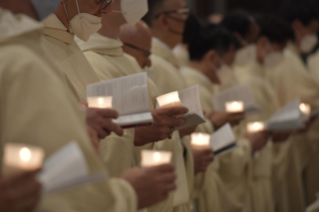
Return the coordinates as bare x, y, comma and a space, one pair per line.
203, 8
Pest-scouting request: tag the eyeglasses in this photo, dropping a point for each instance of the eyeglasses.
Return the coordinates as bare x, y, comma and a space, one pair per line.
147, 53
104, 3
183, 11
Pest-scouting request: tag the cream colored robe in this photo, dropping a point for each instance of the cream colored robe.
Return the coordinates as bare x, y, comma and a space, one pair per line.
109, 61
50, 117
261, 195
181, 53
290, 80
61, 48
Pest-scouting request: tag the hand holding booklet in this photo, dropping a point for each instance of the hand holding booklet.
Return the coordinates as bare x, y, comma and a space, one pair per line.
189, 98
223, 140
241, 94
290, 117
130, 99
66, 169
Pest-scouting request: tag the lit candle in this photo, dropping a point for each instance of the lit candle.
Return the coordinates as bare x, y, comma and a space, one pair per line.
102, 102
168, 100
234, 107
305, 108
155, 158
256, 127
200, 139
18, 157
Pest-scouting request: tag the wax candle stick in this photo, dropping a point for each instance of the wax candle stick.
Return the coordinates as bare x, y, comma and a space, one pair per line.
169, 100
200, 140
305, 108
102, 102
155, 158
234, 107
256, 127
19, 157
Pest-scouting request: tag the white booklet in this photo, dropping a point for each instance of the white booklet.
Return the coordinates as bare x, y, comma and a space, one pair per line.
130, 99
241, 93
223, 140
189, 98
289, 117
66, 169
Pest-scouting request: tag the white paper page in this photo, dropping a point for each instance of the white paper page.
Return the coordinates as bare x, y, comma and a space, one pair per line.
290, 112
190, 99
222, 138
289, 117
64, 169
238, 93
130, 93
134, 119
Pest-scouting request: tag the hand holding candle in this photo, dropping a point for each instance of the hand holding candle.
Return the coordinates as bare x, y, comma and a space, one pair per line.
102, 102
234, 107
169, 100
21, 157
155, 158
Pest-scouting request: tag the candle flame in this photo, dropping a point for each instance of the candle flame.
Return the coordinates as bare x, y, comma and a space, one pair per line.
157, 157
305, 108
25, 154
101, 101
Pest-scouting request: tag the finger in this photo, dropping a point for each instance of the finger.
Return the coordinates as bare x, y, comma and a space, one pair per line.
174, 111
168, 178
26, 204
169, 187
20, 177
112, 127
109, 113
164, 168
24, 189
102, 133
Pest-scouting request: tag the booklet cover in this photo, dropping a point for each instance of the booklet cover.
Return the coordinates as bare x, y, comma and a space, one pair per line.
66, 169
223, 140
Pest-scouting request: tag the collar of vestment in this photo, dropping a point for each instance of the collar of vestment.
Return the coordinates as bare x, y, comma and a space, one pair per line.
199, 77
162, 50
54, 28
102, 45
12, 25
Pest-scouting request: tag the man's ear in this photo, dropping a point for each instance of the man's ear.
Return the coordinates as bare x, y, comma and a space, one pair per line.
162, 21
210, 56
262, 41
297, 27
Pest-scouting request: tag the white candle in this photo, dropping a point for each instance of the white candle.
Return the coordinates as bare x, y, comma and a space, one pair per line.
102, 102
256, 127
305, 108
234, 107
18, 157
200, 139
168, 100
155, 158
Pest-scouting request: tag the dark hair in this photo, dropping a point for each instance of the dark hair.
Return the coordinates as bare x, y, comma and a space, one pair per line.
238, 21
303, 10
212, 38
192, 29
154, 9
275, 28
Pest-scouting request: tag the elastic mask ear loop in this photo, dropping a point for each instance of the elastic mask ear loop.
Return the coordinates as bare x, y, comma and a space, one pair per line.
77, 6
66, 12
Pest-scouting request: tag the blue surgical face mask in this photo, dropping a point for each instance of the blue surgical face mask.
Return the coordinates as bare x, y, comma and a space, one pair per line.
44, 7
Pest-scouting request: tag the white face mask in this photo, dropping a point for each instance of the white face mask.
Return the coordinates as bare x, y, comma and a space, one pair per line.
273, 59
308, 43
225, 73
83, 25
245, 55
133, 10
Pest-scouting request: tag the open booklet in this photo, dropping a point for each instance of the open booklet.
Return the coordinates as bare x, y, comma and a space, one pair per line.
66, 169
241, 93
289, 117
130, 99
223, 140
189, 98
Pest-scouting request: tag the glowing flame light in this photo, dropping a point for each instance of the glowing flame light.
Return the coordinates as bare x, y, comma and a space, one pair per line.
25, 154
